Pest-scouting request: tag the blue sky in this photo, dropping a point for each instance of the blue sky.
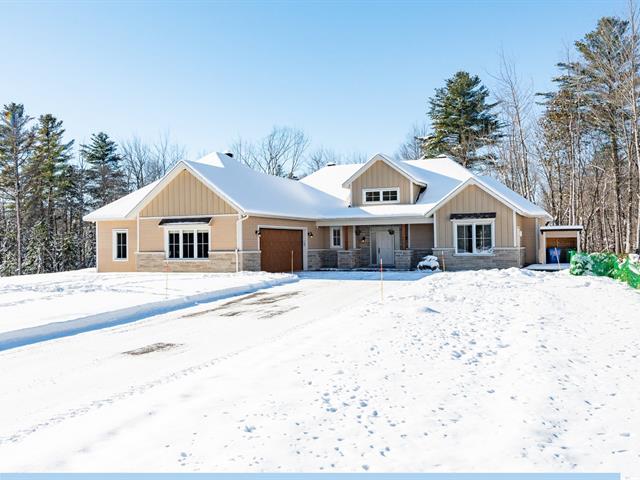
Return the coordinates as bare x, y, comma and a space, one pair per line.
354, 75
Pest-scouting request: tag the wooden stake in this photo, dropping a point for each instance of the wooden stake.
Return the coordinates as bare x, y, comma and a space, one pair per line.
381, 283
292, 262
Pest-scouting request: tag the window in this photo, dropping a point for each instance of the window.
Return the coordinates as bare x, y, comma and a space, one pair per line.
465, 239
174, 245
381, 195
389, 195
120, 245
373, 196
187, 244
203, 244
336, 237
474, 238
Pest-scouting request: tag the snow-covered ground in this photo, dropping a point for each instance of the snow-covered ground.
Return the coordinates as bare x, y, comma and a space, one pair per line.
34, 300
476, 371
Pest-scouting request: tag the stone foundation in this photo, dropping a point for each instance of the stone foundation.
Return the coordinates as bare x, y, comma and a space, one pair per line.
348, 259
322, 258
218, 261
403, 259
250, 261
501, 258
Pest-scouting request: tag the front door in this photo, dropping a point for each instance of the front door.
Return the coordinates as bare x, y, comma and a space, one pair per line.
385, 248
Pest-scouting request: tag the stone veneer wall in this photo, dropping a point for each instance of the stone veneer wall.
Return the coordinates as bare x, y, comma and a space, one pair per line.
403, 259
501, 258
322, 258
250, 261
217, 262
348, 259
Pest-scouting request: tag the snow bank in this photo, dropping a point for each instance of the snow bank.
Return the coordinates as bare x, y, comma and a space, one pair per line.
42, 307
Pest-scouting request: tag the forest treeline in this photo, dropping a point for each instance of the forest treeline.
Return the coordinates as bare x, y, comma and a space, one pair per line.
574, 150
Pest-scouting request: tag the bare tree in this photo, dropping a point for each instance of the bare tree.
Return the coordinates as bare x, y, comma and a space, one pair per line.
413, 146
515, 101
164, 155
136, 156
319, 158
280, 153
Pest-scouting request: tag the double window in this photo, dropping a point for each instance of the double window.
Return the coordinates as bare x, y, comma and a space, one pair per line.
336, 237
187, 243
381, 195
474, 238
120, 245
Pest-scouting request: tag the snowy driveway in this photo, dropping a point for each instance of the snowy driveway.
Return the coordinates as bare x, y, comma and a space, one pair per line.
477, 371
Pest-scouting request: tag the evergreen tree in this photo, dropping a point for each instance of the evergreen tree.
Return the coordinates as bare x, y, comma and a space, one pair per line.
46, 182
105, 179
16, 142
462, 120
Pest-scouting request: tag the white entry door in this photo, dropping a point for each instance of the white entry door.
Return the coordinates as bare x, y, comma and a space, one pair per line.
385, 248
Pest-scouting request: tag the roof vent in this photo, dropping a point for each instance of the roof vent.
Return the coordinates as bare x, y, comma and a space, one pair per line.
331, 164
228, 153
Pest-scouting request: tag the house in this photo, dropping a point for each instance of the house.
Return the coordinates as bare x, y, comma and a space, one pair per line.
217, 215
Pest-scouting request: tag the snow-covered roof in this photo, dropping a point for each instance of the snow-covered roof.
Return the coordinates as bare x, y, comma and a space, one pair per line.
120, 208
321, 195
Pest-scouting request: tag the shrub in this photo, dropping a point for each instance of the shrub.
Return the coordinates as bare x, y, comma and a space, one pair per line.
603, 264
581, 264
429, 262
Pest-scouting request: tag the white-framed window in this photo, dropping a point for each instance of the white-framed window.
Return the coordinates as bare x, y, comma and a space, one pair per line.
381, 195
187, 243
335, 239
474, 237
120, 245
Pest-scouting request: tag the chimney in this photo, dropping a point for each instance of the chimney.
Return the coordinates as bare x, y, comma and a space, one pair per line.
228, 153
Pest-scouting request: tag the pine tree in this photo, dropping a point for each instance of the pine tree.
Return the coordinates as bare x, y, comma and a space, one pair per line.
105, 180
16, 142
462, 120
45, 169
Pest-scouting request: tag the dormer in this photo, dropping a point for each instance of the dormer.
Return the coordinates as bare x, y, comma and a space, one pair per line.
383, 181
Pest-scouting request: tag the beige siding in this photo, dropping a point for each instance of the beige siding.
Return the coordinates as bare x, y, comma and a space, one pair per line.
381, 175
151, 235
223, 233
527, 240
105, 246
475, 200
421, 235
320, 237
186, 195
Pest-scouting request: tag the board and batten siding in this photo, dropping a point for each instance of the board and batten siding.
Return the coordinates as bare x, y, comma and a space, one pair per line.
104, 253
528, 238
381, 175
473, 199
186, 195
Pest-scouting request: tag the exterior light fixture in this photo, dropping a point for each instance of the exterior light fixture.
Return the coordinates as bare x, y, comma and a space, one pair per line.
258, 232
363, 239
392, 231
310, 234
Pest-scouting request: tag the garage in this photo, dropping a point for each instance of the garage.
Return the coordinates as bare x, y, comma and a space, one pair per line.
280, 250
558, 241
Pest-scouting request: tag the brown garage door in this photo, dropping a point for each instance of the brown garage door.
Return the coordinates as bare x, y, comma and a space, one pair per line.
276, 246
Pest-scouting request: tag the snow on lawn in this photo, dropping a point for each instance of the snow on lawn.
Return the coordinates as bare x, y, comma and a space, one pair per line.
476, 371
33, 300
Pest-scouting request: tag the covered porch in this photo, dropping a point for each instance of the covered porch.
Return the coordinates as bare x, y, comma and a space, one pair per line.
395, 245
